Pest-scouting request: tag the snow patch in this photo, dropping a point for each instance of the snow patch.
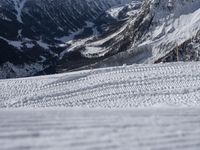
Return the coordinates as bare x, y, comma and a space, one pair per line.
114, 12
19, 5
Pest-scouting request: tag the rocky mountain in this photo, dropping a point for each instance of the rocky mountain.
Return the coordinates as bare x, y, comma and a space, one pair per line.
33, 30
160, 31
49, 36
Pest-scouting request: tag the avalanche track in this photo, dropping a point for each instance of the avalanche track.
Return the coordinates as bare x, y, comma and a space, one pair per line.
76, 114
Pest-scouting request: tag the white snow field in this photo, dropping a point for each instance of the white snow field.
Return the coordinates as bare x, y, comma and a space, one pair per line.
117, 87
65, 129
135, 107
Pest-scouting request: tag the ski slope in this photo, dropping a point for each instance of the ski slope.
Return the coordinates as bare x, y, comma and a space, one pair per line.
175, 84
138, 107
64, 129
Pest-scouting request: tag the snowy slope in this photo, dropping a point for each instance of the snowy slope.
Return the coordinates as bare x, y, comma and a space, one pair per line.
166, 97
172, 28
49, 36
55, 129
175, 84
152, 32
165, 27
32, 30
101, 45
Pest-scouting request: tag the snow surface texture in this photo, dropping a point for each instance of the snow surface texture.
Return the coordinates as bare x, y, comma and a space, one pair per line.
162, 94
118, 87
54, 129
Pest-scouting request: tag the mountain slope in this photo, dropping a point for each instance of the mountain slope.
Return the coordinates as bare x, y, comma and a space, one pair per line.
61, 129
140, 106
31, 31
109, 33
156, 31
118, 87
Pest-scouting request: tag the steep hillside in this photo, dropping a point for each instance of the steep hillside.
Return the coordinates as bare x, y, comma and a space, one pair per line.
156, 31
32, 30
42, 37
171, 84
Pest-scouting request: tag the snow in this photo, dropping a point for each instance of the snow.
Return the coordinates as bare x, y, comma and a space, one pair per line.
92, 47
42, 44
29, 45
74, 45
19, 5
80, 42
78, 129
95, 49
92, 50
172, 27
70, 37
118, 87
45, 46
100, 42
140, 106
17, 44
114, 12
127, 107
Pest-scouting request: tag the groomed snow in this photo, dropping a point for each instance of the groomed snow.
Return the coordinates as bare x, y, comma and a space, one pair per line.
173, 84
77, 129
96, 109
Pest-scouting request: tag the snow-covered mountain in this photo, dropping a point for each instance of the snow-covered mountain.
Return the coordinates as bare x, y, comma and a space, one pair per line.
46, 36
134, 106
160, 31
31, 31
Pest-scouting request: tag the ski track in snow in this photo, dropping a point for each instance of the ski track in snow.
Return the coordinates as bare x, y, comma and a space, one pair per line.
118, 87
155, 129
162, 120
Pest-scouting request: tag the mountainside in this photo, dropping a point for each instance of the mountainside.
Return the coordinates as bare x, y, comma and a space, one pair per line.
124, 75
45, 36
134, 86
161, 31
32, 30
141, 106
78, 129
